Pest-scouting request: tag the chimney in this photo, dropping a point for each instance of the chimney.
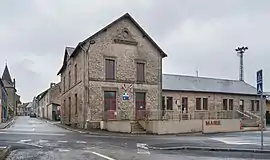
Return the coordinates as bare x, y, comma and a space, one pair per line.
52, 85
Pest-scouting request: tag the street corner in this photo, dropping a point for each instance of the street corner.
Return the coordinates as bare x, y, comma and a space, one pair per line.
4, 152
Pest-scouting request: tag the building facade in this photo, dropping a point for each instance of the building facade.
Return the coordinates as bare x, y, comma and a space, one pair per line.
198, 95
12, 98
3, 103
115, 72
46, 104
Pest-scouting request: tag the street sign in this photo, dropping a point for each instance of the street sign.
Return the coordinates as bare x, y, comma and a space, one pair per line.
259, 82
125, 96
260, 92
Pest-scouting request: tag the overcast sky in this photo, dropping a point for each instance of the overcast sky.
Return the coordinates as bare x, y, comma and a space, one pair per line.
198, 34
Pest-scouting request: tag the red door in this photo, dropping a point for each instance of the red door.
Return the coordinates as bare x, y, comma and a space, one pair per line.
140, 106
109, 105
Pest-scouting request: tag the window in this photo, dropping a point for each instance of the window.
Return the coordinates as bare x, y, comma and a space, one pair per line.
109, 100
225, 104
184, 104
69, 79
75, 73
231, 104
169, 103
252, 105
110, 69
140, 72
64, 107
76, 104
163, 103
241, 105
205, 103
198, 104
140, 101
64, 84
258, 105
69, 109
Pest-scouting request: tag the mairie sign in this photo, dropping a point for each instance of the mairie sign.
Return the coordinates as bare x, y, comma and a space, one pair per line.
260, 82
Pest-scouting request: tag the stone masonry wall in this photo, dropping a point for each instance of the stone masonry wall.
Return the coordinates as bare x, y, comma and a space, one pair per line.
126, 57
214, 100
75, 88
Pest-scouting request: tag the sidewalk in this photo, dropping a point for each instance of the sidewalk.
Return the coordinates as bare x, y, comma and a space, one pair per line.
8, 123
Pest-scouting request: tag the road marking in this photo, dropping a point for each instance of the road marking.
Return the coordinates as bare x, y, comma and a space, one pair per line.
43, 141
63, 150
31, 133
82, 142
3, 147
30, 144
234, 141
103, 156
142, 148
62, 141
25, 140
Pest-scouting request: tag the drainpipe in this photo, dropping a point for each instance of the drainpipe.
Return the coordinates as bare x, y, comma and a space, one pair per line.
85, 88
14, 100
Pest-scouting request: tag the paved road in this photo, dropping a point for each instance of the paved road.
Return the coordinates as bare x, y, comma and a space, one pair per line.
36, 139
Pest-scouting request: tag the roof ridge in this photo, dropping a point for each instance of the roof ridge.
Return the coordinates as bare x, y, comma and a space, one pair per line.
182, 75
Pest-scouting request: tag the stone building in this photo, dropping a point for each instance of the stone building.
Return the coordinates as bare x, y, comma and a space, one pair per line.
47, 103
12, 97
115, 72
200, 95
3, 103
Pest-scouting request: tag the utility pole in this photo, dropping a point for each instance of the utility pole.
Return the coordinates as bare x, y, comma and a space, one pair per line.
240, 51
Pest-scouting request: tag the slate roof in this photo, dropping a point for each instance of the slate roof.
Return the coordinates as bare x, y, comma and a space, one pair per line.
69, 50
203, 84
68, 53
6, 75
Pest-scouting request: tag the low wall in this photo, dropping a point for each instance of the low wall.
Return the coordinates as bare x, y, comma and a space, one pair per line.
117, 126
221, 125
173, 127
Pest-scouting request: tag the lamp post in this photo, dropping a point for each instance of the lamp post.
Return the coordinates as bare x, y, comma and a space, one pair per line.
240, 51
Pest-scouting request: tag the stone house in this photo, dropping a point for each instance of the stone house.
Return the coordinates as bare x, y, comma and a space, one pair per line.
114, 73
199, 95
3, 103
48, 102
12, 97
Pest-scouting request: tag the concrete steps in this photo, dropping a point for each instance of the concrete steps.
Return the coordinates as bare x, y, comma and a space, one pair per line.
136, 128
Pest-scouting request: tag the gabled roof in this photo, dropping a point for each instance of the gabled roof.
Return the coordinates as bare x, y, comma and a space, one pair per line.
68, 52
128, 16
41, 95
203, 84
6, 75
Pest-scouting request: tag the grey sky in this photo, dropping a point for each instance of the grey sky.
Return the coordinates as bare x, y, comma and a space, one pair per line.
195, 34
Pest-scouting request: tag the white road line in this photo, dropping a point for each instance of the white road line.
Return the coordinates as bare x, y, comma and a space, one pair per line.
63, 150
30, 144
3, 147
43, 141
142, 148
103, 156
82, 142
25, 140
25, 133
62, 141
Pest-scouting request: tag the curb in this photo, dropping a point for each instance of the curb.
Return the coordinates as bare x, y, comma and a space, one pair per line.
5, 153
9, 123
211, 149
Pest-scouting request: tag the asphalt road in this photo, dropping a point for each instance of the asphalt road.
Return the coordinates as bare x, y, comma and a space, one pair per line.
32, 138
